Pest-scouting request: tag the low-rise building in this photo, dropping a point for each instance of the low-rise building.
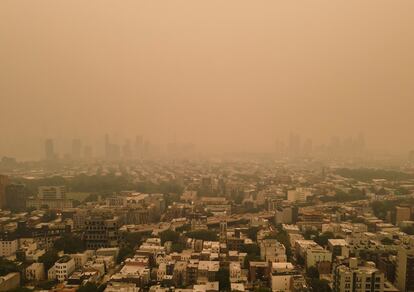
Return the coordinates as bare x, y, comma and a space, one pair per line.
35, 272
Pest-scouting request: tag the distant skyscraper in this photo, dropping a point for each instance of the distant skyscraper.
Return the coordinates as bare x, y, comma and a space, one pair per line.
126, 149
307, 147
279, 148
360, 143
76, 149
139, 146
107, 146
87, 152
49, 150
112, 151
294, 145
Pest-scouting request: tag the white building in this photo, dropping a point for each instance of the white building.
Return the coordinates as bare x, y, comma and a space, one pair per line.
298, 195
272, 251
352, 277
80, 259
317, 255
62, 269
281, 276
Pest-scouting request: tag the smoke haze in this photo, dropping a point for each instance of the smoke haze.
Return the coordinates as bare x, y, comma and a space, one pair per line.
224, 75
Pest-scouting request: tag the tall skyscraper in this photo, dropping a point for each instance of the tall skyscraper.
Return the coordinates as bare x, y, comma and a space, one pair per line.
112, 151
139, 146
76, 149
49, 150
4, 181
126, 149
279, 148
307, 147
87, 152
294, 145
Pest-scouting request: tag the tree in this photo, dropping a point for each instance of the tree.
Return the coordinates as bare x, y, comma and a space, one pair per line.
322, 239
132, 239
381, 208
91, 287
21, 289
124, 252
46, 285
70, 244
401, 191
7, 267
177, 247
251, 249
207, 235
223, 277
49, 215
320, 285
409, 230
283, 238
387, 241
49, 258
252, 233
365, 174
310, 234
169, 235
313, 273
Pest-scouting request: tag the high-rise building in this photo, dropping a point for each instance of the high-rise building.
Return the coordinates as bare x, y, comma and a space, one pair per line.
101, 231
402, 213
294, 145
49, 150
223, 231
405, 267
4, 181
107, 146
76, 149
307, 147
126, 149
87, 152
112, 151
139, 146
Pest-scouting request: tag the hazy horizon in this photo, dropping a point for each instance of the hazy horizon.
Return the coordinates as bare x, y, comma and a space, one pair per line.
224, 75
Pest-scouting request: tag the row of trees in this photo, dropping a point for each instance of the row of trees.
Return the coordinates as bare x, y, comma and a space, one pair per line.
366, 174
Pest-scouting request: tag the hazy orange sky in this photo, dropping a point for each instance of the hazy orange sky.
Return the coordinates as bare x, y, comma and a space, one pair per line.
222, 74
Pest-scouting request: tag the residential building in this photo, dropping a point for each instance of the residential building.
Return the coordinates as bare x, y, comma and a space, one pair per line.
349, 276
272, 251
62, 269
35, 272
404, 277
